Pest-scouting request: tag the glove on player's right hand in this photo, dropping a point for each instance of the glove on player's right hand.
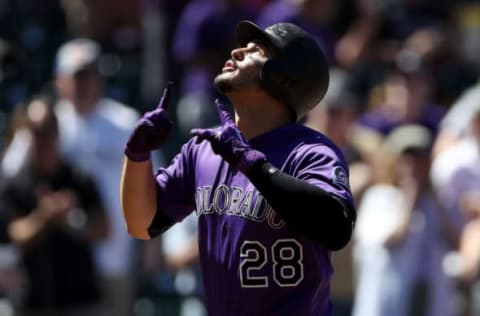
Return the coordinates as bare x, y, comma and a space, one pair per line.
152, 130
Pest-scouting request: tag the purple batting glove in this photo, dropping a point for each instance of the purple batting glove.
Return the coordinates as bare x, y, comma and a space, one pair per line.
229, 142
152, 130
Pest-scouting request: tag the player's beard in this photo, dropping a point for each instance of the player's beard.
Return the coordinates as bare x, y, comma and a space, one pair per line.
222, 84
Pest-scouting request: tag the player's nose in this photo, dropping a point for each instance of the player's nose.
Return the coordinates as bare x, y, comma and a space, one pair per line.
238, 53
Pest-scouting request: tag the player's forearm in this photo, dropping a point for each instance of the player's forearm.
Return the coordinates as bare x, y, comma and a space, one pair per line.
138, 197
305, 207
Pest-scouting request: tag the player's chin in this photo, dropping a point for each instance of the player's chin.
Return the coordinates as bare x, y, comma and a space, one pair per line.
223, 82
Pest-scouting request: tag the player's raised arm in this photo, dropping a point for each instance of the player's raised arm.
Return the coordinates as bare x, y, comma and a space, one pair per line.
137, 185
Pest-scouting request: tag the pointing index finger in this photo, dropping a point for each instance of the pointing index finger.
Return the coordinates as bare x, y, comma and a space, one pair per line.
223, 113
165, 100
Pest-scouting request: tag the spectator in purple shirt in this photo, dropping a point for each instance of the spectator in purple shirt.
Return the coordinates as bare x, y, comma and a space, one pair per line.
407, 99
314, 16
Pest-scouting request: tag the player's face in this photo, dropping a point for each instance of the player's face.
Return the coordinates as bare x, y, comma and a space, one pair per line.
242, 70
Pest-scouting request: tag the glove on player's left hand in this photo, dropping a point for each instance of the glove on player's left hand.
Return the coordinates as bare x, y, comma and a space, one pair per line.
229, 142
151, 131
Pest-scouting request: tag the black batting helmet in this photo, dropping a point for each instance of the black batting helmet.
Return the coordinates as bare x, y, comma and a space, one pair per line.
298, 72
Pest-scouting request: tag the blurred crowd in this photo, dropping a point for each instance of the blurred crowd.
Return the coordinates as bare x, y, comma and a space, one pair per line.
403, 105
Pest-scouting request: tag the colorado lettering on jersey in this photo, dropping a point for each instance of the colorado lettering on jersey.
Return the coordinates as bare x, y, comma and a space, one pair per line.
236, 201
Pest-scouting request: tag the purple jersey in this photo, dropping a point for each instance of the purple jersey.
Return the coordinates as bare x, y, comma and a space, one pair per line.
252, 262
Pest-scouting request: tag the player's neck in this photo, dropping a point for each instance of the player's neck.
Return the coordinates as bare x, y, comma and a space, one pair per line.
260, 116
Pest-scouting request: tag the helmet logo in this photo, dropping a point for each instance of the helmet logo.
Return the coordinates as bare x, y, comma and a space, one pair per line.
281, 32
278, 30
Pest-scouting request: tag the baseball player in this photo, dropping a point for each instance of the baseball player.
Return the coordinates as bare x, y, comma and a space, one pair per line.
272, 196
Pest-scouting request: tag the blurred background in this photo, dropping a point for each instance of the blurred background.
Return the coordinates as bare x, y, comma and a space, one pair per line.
403, 105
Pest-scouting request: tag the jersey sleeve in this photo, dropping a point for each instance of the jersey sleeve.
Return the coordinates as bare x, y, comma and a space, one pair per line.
175, 185
324, 167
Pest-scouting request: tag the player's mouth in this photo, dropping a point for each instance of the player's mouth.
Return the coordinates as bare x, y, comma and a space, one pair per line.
228, 66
